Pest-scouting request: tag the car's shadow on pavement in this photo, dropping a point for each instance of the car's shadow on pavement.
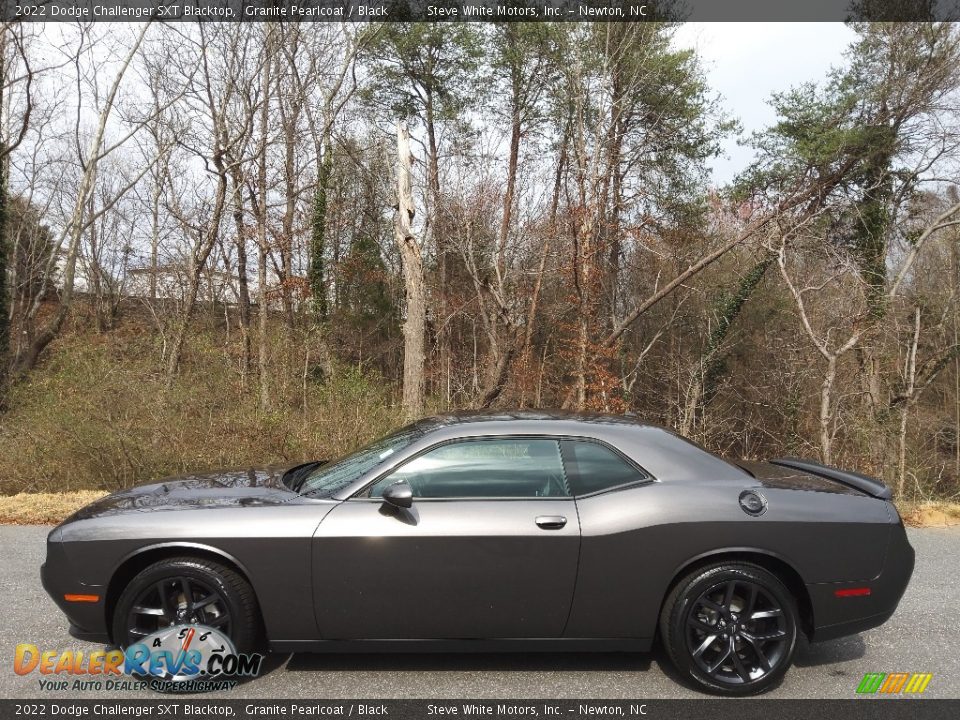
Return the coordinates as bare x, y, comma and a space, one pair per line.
833, 651
808, 655
614, 662
462, 662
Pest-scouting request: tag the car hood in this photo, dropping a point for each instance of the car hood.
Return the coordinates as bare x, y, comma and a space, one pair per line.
226, 488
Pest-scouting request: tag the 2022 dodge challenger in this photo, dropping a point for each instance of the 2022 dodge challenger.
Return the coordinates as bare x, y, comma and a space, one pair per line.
519, 530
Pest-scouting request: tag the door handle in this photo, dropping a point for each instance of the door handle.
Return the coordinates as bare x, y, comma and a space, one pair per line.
551, 522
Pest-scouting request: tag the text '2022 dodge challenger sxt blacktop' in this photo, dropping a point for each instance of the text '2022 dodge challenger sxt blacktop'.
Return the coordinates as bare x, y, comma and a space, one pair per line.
515, 530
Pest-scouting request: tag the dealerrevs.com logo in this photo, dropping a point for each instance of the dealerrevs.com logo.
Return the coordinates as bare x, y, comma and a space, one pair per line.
180, 658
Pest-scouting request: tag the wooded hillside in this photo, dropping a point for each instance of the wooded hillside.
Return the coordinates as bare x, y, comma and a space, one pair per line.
231, 243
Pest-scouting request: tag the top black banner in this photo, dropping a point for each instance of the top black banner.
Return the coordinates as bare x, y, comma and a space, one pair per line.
480, 10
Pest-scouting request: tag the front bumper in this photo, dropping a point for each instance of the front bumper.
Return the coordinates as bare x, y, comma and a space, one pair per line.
836, 617
88, 620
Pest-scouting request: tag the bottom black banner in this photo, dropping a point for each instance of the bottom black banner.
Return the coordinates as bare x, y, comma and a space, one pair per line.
178, 708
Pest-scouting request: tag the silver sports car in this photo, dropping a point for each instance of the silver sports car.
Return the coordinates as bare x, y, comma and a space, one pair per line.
515, 530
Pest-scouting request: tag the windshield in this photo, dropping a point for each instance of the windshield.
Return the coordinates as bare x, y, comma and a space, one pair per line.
328, 479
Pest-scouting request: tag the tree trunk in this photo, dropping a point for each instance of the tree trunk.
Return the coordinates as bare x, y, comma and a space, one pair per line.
911, 377
286, 246
526, 357
154, 244
826, 410
183, 325
262, 357
611, 206
201, 254
155, 195
502, 347
262, 317
439, 243
498, 378
583, 273
318, 230
243, 286
515, 132
4, 253
414, 327
955, 255
531, 321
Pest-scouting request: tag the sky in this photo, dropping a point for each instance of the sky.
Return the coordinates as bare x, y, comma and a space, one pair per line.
747, 62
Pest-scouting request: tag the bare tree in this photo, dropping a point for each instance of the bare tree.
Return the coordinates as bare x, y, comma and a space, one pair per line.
833, 350
259, 203
79, 219
414, 327
212, 100
11, 36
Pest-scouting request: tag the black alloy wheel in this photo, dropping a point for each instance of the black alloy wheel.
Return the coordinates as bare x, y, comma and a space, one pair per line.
731, 627
736, 632
177, 601
188, 591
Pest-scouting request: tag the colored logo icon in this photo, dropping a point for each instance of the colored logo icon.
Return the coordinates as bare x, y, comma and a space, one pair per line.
894, 683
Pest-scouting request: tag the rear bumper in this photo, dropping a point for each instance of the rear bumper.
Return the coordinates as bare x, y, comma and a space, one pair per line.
836, 617
852, 627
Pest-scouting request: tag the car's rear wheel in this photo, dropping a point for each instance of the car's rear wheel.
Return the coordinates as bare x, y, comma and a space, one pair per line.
185, 591
731, 628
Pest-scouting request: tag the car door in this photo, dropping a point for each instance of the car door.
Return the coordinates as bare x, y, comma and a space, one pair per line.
488, 548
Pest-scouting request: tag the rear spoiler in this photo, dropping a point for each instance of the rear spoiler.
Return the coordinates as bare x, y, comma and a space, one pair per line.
870, 486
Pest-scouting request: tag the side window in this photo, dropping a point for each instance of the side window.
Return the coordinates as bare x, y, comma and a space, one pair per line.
515, 468
592, 467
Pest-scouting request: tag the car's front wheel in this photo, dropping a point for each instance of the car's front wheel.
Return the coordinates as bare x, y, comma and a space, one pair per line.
187, 591
731, 628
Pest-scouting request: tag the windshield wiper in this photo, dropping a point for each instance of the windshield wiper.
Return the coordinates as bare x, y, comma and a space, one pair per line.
295, 476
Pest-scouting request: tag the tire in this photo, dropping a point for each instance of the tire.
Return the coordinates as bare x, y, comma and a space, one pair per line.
747, 655
236, 603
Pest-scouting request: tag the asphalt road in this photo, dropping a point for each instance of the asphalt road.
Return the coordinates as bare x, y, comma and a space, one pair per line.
923, 636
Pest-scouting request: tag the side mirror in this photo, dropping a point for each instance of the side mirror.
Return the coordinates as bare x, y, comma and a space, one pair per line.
400, 494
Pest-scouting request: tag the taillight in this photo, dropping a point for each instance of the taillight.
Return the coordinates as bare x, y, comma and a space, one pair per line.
852, 592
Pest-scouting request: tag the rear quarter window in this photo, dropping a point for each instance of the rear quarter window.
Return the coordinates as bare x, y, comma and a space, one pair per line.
593, 467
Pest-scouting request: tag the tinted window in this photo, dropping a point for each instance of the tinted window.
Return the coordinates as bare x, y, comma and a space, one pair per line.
592, 467
483, 468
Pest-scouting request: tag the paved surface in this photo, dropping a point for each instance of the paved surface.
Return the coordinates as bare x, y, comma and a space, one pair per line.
923, 636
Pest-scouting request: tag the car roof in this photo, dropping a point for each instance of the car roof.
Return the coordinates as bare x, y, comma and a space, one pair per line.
462, 417
659, 450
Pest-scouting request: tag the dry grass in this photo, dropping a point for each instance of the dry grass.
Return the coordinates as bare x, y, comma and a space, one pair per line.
930, 514
43, 508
